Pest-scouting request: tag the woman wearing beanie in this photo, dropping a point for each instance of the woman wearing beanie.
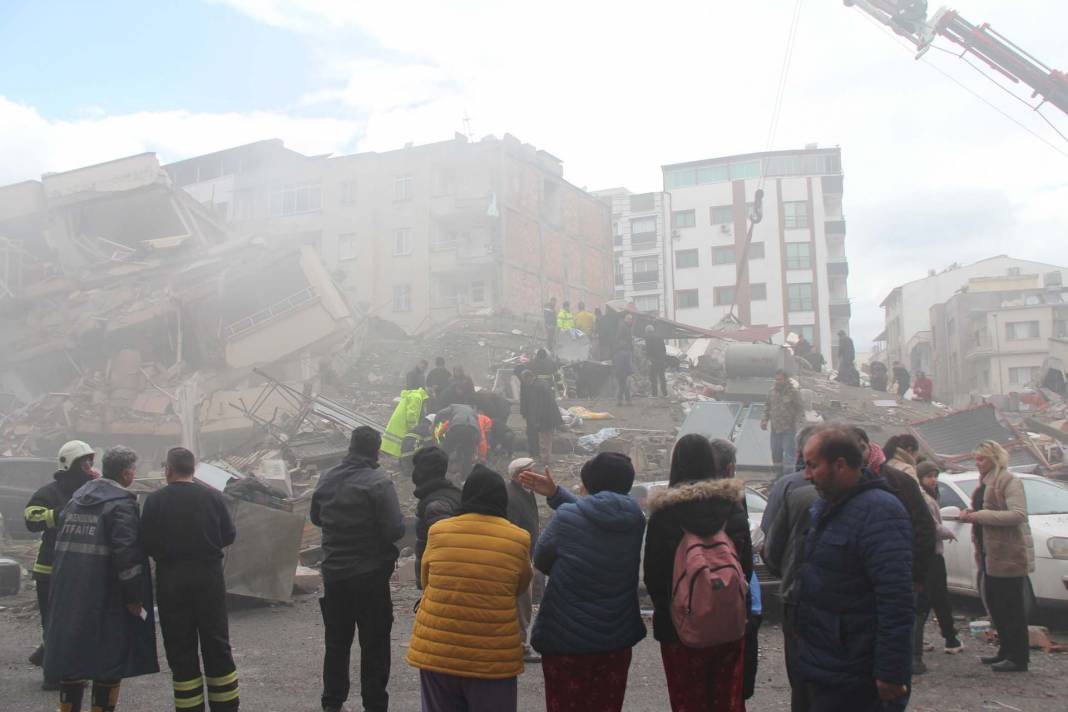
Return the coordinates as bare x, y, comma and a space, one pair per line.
699, 679
589, 617
466, 636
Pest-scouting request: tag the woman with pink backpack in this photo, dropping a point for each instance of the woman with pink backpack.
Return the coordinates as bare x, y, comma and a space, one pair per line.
698, 560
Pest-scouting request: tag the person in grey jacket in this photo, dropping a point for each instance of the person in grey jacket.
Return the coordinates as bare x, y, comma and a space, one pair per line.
523, 512
356, 506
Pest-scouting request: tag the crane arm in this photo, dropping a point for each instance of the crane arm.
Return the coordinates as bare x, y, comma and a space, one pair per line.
908, 18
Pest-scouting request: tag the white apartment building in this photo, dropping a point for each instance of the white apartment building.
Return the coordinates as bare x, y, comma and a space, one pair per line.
793, 273
641, 235
907, 308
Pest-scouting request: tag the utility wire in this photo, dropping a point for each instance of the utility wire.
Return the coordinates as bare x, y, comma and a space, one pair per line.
893, 38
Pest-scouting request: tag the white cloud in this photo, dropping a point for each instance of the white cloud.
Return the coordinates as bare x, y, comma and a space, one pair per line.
616, 89
32, 145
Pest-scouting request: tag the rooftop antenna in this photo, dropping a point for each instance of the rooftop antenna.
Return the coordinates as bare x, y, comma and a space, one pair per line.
467, 126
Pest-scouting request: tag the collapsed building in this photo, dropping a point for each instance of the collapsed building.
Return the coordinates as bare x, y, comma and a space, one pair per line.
131, 314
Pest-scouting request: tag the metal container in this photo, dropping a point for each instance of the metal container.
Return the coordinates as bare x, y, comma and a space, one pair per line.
757, 360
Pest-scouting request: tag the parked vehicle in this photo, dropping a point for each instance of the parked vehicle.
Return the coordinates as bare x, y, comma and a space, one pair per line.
1047, 506
755, 503
20, 477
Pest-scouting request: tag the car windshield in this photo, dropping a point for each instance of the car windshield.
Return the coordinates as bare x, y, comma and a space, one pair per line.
1044, 497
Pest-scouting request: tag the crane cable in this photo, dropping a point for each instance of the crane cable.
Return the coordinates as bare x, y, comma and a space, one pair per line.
893, 38
773, 127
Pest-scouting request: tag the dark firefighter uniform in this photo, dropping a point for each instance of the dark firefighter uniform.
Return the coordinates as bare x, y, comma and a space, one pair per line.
99, 572
185, 526
41, 514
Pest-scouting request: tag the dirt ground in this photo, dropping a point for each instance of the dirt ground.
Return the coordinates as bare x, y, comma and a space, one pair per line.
278, 650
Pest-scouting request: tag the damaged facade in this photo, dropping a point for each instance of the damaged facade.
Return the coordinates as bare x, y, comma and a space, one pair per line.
423, 234
132, 314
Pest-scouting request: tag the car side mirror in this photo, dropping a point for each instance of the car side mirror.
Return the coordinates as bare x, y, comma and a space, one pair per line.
951, 513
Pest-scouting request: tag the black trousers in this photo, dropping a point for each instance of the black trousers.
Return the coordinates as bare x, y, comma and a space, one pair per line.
657, 378
1005, 601
192, 617
44, 585
752, 654
532, 441
862, 697
461, 443
363, 604
935, 597
798, 690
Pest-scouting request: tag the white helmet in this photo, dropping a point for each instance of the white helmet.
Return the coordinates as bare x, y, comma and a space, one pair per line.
71, 451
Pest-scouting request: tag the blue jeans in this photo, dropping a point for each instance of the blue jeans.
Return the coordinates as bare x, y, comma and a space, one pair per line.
784, 451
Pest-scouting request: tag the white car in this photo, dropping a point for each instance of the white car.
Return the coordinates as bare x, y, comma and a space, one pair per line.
1047, 506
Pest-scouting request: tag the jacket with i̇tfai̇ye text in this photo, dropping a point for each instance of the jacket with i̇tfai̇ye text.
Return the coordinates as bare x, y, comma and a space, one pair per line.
43, 509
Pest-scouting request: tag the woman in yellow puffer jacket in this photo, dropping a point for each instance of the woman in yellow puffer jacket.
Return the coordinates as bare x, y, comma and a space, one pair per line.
466, 640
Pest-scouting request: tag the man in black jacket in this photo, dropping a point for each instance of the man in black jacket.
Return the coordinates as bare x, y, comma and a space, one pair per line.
356, 506
75, 469
185, 526
438, 497
656, 352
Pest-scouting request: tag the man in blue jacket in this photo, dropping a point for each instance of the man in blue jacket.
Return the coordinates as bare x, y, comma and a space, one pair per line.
855, 602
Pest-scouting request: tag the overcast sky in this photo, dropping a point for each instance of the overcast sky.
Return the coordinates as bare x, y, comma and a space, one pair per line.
615, 89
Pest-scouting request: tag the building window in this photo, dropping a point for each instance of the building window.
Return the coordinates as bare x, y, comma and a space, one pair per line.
643, 231
723, 255
721, 214
478, 292
681, 178
756, 250
447, 239
798, 255
723, 296
799, 297
1021, 330
645, 272
1023, 375
758, 292
346, 246
295, 199
348, 192
684, 218
806, 332
647, 303
402, 297
402, 188
685, 258
619, 272
795, 214
642, 202
402, 242
686, 299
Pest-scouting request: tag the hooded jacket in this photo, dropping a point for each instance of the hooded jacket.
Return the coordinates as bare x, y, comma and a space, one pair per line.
99, 569
405, 417
908, 492
855, 596
703, 508
438, 498
785, 527
590, 550
356, 506
43, 509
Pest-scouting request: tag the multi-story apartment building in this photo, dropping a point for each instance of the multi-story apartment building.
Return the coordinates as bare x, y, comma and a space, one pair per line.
422, 234
995, 334
641, 237
792, 274
907, 308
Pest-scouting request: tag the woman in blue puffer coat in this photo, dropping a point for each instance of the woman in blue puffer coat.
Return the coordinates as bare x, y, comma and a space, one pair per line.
589, 617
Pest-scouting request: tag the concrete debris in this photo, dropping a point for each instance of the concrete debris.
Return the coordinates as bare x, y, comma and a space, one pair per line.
306, 580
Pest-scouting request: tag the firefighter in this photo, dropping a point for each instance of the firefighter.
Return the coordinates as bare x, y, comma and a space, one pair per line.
101, 625
185, 526
75, 469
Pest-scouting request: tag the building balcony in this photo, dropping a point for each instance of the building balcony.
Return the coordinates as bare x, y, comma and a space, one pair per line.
837, 265
834, 228
644, 241
645, 281
840, 308
458, 211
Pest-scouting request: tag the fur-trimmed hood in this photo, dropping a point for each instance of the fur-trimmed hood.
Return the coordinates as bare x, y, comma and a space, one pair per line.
732, 490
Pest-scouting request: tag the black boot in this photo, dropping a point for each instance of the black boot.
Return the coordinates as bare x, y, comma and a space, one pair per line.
70, 695
37, 658
105, 695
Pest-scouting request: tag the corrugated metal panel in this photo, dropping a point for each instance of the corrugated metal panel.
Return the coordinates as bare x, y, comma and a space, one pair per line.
712, 419
753, 442
959, 433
